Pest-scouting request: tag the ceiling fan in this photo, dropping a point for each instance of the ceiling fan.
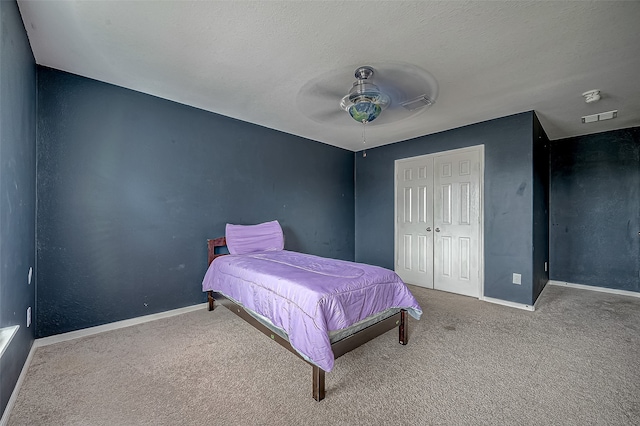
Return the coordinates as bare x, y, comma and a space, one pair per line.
381, 94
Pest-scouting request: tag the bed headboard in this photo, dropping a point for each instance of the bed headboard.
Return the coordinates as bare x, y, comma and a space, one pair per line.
211, 247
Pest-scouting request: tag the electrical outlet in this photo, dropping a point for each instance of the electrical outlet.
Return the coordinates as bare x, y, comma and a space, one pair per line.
517, 278
28, 316
546, 266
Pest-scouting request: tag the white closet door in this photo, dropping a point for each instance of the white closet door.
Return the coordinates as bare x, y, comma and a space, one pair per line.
439, 221
414, 221
457, 228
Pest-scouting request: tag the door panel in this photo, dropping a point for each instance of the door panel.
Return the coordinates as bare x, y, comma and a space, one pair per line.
457, 223
414, 222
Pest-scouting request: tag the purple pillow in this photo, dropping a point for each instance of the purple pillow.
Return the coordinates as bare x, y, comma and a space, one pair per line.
243, 239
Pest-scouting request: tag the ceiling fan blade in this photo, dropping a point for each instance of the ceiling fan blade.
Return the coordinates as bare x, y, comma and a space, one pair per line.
320, 101
329, 116
394, 114
405, 82
323, 91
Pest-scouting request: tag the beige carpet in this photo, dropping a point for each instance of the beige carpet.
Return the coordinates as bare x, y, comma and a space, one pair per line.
574, 361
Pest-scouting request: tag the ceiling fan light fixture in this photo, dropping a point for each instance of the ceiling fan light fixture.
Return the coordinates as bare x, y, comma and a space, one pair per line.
365, 111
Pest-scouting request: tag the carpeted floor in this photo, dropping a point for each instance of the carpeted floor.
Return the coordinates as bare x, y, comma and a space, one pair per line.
574, 361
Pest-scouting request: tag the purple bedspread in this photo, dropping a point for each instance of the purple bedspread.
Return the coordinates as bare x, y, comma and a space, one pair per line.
308, 296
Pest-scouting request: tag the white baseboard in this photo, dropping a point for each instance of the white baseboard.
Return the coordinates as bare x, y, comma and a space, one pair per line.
594, 288
114, 325
14, 395
509, 303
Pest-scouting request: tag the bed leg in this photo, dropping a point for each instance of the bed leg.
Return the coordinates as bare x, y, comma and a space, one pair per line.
318, 383
403, 328
210, 299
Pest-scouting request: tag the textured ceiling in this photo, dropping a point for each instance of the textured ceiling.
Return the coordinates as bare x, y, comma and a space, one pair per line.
253, 60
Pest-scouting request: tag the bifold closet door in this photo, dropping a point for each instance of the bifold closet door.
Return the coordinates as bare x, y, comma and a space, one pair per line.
438, 221
414, 221
457, 227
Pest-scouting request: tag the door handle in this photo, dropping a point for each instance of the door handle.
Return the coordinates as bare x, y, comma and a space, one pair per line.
437, 229
428, 229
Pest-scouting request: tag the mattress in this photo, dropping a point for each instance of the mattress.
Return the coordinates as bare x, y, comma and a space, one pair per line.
334, 335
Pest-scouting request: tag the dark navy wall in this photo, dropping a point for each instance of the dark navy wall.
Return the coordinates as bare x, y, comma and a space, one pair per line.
595, 210
130, 186
508, 175
17, 186
540, 207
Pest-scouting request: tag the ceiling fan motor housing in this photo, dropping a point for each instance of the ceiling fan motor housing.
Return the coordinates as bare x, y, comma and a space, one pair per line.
365, 101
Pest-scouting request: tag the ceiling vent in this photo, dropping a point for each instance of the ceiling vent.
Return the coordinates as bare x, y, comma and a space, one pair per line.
600, 117
419, 102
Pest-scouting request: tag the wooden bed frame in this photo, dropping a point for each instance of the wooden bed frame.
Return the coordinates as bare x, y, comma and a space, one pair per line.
339, 348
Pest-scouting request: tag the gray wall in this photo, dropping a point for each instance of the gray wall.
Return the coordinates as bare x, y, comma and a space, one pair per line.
540, 208
130, 186
17, 186
508, 218
595, 210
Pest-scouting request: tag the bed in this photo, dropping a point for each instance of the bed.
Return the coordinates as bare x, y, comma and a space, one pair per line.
317, 308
